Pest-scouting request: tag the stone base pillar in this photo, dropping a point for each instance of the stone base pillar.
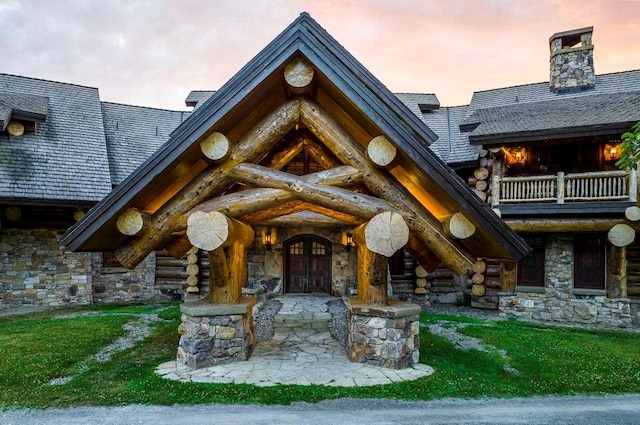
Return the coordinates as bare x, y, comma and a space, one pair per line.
384, 335
214, 334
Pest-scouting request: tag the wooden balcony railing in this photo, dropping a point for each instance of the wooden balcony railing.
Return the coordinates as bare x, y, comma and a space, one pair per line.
596, 186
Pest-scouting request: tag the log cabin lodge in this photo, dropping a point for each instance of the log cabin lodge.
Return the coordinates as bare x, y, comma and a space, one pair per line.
304, 174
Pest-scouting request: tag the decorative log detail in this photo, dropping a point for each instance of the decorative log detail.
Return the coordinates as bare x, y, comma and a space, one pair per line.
342, 200
321, 154
421, 282
179, 247
251, 201
480, 194
616, 272
426, 259
78, 214
421, 222
481, 185
632, 213
481, 173
132, 221
386, 233
209, 231
561, 225
13, 213
381, 151
15, 128
477, 278
421, 272
216, 147
458, 226
298, 74
285, 152
372, 270
479, 266
508, 276
252, 146
621, 235
478, 290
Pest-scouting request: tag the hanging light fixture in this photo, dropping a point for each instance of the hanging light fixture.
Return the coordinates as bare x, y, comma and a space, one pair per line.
267, 239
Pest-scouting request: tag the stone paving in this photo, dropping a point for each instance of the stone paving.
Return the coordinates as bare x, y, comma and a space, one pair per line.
302, 352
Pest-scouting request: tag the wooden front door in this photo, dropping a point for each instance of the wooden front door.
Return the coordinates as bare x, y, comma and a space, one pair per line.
307, 265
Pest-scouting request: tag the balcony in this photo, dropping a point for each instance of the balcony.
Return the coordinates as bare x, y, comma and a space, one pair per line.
600, 186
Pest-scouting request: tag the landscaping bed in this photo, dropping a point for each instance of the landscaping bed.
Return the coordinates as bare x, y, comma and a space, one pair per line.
512, 359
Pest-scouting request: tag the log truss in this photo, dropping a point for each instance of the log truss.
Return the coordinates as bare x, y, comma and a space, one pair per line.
386, 216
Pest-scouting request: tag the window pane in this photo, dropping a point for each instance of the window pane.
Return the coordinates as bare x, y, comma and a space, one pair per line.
531, 267
317, 249
297, 248
589, 261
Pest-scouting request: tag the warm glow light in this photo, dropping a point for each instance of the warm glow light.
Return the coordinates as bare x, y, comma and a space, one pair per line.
267, 239
515, 156
611, 151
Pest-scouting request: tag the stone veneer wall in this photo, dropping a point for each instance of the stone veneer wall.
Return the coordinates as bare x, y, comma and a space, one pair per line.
35, 270
266, 267
559, 301
572, 69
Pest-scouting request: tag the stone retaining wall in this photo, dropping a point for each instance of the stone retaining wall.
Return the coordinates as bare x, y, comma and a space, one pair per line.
558, 301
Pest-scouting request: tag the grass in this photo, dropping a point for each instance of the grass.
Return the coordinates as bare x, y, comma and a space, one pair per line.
549, 360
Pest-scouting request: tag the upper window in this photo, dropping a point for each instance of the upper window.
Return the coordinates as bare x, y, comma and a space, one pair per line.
588, 260
302, 164
531, 267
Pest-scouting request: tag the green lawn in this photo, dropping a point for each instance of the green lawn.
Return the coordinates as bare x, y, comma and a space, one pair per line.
550, 360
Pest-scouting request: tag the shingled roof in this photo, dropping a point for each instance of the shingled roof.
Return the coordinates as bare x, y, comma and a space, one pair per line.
22, 106
65, 159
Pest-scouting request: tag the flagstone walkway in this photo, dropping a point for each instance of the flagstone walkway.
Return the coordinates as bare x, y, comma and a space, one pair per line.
302, 352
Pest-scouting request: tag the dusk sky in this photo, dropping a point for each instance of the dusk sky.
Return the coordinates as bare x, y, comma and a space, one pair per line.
153, 53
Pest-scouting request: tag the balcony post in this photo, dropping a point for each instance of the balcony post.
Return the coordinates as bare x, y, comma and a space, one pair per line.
495, 190
633, 185
560, 188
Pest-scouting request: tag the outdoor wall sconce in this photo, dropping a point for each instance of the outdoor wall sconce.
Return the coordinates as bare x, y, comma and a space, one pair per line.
267, 239
349, 240
516, 156
611, 151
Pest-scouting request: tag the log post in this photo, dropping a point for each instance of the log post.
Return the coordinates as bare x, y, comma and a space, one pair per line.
508, 272
458, 226
132, 221
298, 74
252, 146
616, 271
377, 240
381, 151
216, 147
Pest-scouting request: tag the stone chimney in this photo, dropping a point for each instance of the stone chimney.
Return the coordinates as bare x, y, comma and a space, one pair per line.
572, 61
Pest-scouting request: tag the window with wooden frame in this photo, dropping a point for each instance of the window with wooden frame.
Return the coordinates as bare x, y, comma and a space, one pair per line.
531, 267
302, 164
109, 260
588, 261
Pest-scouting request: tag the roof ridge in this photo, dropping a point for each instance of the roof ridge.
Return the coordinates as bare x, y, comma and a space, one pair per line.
547, 82
407, 92
455, 106
49, 81
141, 106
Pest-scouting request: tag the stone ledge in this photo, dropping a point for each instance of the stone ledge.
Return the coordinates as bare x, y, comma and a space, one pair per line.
531, 289
202, 308
394, 308
585, 291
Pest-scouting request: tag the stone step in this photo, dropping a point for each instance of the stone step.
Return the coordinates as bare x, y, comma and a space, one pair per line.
316, 320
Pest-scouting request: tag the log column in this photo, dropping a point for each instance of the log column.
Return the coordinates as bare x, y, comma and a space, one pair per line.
377, 240
616, 271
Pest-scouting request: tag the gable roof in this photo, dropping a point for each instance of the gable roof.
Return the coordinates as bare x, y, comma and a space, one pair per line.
65, 159
351, 85
133, 133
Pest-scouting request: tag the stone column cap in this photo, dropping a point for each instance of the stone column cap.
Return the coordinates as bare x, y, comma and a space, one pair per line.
205, 308
393, 308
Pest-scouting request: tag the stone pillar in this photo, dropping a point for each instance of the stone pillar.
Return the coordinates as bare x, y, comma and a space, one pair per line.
384, 335
214, 334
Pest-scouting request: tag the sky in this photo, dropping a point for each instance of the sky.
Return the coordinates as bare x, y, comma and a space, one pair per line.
153, 53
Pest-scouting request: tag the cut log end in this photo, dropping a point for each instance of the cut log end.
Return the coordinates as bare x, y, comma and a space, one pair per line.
621, 235
481, 173
13, 213
77, 215
131, 222
477, 278
298, 74
421, 272
381, 151
386, 233
478, 290
458, 226
15, 128
632, 213
216, 147
209, 231
479, 266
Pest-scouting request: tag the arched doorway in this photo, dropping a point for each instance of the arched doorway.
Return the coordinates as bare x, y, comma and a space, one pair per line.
307, 265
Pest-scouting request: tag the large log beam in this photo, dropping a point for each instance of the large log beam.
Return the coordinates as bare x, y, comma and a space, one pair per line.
425, 258
560, 225
285, 152
616, 271
426, 227
320, 153
304, 218
252, 200
377, 240
342, 200
252, 146
265, 217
